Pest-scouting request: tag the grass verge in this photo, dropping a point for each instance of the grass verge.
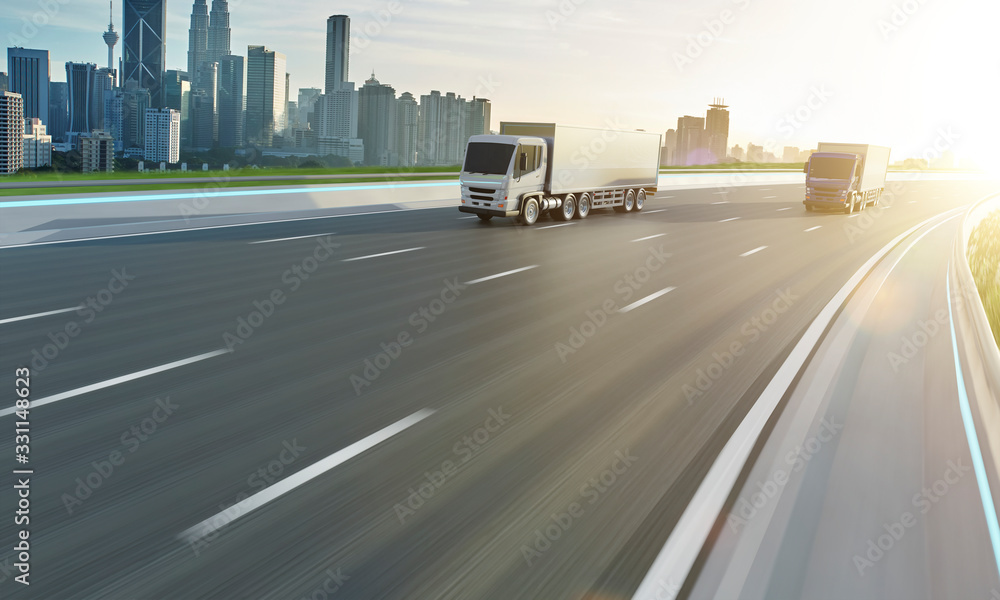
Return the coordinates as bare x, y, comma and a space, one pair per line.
984, 260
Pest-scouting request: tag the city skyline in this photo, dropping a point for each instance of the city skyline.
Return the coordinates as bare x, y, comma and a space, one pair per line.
705, 51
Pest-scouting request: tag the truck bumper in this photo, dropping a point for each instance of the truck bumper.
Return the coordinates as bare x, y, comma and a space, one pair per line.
488, 211
834, 204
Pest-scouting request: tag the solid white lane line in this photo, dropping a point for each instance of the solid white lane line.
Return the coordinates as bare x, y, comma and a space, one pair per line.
665, 197
499, 275
653, 212
723, 202
240, 509
673, 564
37, 315
299, 237
382, 254
814, 228
464, 218
754, 251
786, 208
769, 197
111, 382
854, 216
559, 225
650, 237
728, 220
648, 298
720, 193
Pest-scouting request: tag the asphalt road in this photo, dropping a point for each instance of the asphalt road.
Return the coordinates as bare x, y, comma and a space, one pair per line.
535, 435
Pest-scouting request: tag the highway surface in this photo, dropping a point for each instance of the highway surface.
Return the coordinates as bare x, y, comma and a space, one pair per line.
419, 405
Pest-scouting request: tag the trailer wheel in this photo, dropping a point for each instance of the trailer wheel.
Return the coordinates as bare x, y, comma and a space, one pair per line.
529, 214
485, 218
640, 200
568, 209
628, 204
582, 206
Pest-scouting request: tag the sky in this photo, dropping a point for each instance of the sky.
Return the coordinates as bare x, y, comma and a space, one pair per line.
920, 76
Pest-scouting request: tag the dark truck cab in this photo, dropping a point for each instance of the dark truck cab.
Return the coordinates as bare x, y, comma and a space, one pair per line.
845, 177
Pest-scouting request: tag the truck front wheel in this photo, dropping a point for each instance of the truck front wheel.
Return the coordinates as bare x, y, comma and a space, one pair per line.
568, 209
529, 214
849, 207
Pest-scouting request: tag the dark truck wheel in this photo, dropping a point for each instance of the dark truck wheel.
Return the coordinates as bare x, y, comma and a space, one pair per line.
485, 218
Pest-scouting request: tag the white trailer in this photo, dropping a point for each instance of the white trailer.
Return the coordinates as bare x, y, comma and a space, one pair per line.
534, 167
846, 177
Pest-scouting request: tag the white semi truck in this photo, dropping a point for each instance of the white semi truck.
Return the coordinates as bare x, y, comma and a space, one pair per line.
845, 177
534, 167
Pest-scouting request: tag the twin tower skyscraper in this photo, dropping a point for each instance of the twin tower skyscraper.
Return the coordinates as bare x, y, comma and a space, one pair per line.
209, 36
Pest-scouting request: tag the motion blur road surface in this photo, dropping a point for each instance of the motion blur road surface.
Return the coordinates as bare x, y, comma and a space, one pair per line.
420, 405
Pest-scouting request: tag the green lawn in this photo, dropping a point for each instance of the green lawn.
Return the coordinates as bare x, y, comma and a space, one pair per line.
207, 186
984, 260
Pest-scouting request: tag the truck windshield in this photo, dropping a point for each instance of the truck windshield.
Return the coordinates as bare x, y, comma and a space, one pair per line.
488, 158
830, 168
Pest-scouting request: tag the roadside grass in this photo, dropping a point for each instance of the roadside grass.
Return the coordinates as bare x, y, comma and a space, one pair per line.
984, 260
208, 186
47, 176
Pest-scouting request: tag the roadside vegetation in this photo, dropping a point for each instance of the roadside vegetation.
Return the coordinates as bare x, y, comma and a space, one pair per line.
984, 260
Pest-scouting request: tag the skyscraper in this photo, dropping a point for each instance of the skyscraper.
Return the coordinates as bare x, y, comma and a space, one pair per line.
58, 121
11, 133
218, 31
3, 81
442, 129
198, 37
407, 118
28, 75
144, 50
111, 37
177, 95
231, 103
338, 40
480, 112
204, 107
104, 82
377, 122
80, 81
307, 106
717, 129
265, 94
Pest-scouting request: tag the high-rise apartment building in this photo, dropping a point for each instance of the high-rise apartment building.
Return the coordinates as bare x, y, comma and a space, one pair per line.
144, 49
669, 150
442, 129
231, 103
407, 127
11, 133
265, 95
377, 122
37, 145
163, 135
97, 151
692, 143
28, 75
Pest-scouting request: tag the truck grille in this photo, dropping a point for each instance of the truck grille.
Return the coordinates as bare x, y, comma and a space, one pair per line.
482, 190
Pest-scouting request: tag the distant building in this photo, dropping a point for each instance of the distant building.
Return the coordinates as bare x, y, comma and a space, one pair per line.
37, 146
144, 46
97, 150
479, 117
114, 117
338, 39
669, 150
28, 75
135, 102
11, 133
790, 154
231, 102
692, 143
3, 81
755, 154
377, 122
163, 135
717, 130
177, 95
265, 95
197, 36
407, 129
111, 38
80, 82
442, 129
307, 107
58, 122
219, 32
104, 83
204, 107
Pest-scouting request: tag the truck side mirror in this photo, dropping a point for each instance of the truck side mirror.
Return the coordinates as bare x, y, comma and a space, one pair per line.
805, 168
522, 164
